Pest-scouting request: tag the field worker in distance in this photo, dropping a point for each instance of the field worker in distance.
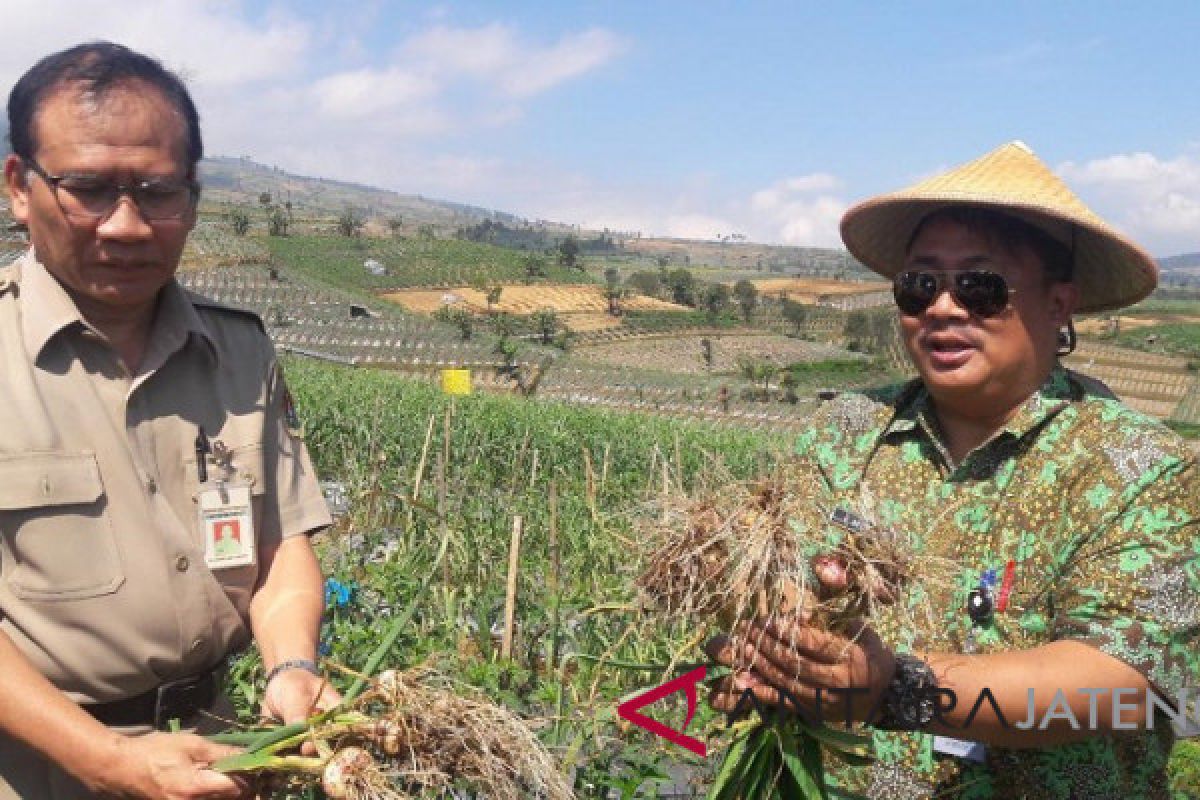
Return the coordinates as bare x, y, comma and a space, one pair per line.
1070, 518
154, 503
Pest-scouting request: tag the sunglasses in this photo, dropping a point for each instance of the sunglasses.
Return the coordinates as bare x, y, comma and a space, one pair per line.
982, 293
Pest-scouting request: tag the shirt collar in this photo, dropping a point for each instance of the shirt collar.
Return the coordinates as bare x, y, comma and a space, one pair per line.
47, 309
1051, 397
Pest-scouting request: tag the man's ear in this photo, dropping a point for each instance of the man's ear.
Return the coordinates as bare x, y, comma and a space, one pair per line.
16, 178
1064, 299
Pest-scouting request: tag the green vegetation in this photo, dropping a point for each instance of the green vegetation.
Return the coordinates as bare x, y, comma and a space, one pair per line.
578, 473
425, 261
651, 321
1184, 770
1181, 338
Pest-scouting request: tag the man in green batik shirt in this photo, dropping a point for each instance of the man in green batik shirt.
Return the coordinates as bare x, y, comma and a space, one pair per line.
1070, 518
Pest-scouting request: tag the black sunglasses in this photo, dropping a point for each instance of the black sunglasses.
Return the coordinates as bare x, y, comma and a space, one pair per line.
982, 293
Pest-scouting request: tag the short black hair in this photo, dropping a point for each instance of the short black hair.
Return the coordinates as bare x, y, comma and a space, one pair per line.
95, 68
1011, 233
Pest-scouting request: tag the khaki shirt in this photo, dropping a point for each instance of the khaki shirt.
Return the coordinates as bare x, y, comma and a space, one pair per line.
103, 582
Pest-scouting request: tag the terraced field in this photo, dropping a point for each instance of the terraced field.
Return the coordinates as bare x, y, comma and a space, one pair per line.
562, 298
1154, 384
684, 354
807, 290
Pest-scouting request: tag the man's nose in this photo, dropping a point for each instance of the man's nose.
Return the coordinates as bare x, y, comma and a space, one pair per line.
945, 306
125, 222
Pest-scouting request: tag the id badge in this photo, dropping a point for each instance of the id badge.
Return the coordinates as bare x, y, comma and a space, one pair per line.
960, 748
227, 523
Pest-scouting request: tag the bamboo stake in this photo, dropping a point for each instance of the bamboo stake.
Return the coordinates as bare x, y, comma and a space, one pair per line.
510, 596
420, 473
666, 489
604, 467
443, 523
589, 476
555, 573
533, 469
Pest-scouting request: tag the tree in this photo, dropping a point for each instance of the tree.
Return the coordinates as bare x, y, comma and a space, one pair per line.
277, 222
396, 226
856, 330
493, 296
545, 322
795, 314
568, 251
747, 297
264, 199
458, 317
758, 372
535, 267
239, 220
647, 283
350, 222
706, 352
716, 299
613, 292
682, 285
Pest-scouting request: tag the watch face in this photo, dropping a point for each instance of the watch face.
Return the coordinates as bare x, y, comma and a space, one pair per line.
980, 606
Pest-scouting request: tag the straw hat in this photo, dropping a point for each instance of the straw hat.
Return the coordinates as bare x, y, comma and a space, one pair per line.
1110, 270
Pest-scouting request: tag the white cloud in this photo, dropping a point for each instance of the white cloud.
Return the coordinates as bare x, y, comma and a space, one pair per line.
801, 210
696, 226
1155, 200
367, 92
496, 55
212, 43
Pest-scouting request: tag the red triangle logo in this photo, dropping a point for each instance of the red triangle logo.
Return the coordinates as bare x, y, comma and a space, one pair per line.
685, 682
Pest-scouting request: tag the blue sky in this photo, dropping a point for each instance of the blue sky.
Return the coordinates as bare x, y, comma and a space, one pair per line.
692, 119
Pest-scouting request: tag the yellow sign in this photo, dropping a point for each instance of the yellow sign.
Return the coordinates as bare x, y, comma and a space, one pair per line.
456, 381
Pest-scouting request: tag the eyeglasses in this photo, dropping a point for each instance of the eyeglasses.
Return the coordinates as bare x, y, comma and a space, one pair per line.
90, 198
982, 293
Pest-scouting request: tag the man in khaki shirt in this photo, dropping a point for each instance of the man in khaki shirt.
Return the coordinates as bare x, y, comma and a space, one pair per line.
153, 500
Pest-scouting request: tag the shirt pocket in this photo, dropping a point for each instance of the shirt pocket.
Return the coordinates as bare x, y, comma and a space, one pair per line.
56, 539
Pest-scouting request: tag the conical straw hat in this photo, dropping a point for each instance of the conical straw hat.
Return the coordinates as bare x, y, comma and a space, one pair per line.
1110, 270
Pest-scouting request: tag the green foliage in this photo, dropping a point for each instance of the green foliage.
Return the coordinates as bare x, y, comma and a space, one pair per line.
350, 222
568, 251
645, 282
1182, 338
1183, 769
545, 322
715, 298
459, 317
338, 261
746, 294
795, 314
682, 285
239, 221
277, 222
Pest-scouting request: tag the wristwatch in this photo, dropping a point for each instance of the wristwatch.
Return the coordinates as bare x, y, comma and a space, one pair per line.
909, 702
295, 663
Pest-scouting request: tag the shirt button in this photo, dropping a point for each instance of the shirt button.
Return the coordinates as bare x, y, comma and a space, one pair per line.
151, 485
182, 563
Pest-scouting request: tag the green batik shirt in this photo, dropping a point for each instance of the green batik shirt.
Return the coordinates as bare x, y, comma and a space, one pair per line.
1094, 505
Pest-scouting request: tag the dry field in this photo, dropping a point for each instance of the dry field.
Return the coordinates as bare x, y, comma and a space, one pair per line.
583, 309
1100, 325
806, 290
683, 354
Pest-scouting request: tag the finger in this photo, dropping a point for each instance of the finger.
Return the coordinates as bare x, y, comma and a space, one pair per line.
720, 650
217, 785
832, 573
788, 670
811, 643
